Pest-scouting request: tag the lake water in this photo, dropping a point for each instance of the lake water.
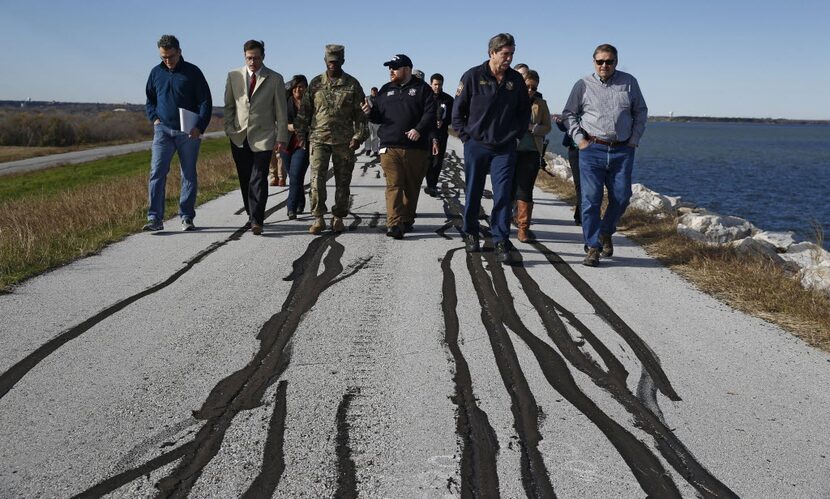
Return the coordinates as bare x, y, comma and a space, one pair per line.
775, 176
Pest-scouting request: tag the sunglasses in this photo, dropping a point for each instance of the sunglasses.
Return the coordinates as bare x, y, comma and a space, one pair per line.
605, 62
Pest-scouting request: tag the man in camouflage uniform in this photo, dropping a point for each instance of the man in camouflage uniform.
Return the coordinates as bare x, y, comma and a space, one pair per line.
333, 125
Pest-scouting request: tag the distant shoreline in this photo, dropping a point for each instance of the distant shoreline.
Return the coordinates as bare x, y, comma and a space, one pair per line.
103, 106
713, 119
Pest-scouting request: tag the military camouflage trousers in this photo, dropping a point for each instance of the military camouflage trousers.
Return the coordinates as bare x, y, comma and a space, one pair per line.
343, 160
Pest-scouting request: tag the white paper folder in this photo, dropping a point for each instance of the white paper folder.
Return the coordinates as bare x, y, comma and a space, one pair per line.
188, 120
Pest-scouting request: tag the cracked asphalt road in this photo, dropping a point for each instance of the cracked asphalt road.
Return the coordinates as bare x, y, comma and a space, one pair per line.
220, 364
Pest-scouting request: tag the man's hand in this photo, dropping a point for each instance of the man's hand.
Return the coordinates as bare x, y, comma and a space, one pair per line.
195, 133
280, 147
301, 143
583, 144
354, 145
157, 122
364, 106
435, 147
413, 135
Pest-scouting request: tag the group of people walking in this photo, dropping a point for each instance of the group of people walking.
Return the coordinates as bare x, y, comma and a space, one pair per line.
497, 112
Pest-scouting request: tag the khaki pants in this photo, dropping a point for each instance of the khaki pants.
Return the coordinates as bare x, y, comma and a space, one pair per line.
342, 159
405, 170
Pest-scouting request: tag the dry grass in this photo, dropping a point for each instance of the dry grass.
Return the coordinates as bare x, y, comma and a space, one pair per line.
751, 284
41, 232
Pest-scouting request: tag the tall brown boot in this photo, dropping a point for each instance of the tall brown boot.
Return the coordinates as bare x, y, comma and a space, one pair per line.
524, 213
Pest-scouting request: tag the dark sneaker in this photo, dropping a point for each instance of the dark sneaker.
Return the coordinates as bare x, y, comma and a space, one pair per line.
187, 225
256, 229
592, 258
607, 245
395, 232
503, 252
408, 227
471, 244
292, 215
153, 226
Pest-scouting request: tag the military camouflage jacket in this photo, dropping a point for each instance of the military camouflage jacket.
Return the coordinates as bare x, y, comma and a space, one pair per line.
330, 112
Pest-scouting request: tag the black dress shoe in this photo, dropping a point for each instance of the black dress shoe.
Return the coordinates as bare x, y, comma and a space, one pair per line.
431, 191
471, 244
503, 252
292, 215
408, 227
395, 232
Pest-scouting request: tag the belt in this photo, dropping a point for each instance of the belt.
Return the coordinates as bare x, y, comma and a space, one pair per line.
610, 143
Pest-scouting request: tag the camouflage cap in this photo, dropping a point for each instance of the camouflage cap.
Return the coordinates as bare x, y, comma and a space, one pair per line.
335, 53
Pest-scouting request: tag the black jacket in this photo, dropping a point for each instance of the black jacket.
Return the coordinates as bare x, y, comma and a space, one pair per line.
443, 114
399, 109
490, 112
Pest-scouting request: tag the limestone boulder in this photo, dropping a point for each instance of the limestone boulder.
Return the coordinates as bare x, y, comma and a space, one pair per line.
780, 240
754, 247
562, 171
713, 228
807, 255
644, 199
817, 277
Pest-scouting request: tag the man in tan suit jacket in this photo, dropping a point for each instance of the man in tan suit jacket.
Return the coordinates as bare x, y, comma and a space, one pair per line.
256, 123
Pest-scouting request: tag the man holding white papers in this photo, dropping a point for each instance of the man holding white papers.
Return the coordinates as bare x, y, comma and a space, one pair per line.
172, 85
256, 120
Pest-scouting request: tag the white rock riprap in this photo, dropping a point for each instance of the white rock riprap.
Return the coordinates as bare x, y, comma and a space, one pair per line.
809, 261
780, 240
644, 199
713, 228
756, 247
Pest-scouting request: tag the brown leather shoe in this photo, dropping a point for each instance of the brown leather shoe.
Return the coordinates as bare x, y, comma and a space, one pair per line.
318, 226
281, 182
337, 224
592, 258
273, 182
607, 245
256, 229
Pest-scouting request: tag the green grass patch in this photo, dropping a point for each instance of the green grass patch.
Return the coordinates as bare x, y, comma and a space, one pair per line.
68, 177
50, 217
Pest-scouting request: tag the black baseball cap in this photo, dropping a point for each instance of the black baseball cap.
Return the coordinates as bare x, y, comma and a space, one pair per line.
399, 61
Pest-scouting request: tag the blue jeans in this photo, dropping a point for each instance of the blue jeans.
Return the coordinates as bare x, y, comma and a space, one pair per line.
500, 162
166, 142
297, 164
610, 167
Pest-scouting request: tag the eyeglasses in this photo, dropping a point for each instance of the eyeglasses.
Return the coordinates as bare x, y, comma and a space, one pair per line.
605, 62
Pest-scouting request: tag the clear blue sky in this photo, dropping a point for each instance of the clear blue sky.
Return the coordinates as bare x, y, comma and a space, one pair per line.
716, 58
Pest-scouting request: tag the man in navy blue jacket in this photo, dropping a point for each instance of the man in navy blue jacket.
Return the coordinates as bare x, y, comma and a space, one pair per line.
405, 110
175, 84
490, 113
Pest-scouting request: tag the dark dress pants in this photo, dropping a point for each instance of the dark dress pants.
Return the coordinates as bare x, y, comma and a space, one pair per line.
252, 169
436, 163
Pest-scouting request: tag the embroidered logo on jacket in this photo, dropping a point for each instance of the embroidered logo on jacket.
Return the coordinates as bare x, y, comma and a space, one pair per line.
412, 92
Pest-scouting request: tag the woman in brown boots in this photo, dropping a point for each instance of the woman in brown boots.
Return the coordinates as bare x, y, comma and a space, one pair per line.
528, 157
